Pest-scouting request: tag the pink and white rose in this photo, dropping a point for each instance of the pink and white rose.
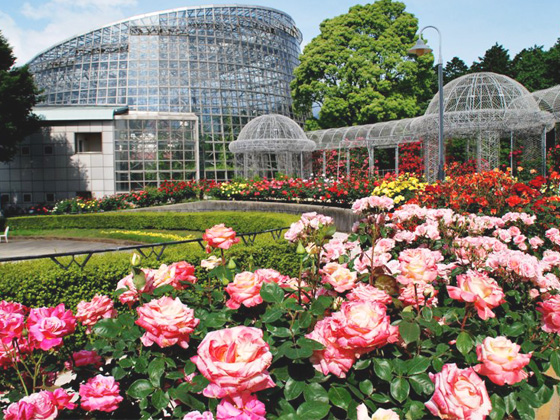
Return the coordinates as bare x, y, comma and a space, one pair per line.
501, 361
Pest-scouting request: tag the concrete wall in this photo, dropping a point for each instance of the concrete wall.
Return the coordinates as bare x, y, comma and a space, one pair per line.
343, 218
47, 165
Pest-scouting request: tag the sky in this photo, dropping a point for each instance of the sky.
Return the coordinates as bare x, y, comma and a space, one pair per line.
468, 27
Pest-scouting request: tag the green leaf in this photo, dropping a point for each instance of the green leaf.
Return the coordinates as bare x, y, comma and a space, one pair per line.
555, 361
316, 393
362, 364
366, 386
160, 400
509, 401
400, 388
464, 343
272, 314
107, 328
417, 365
271, 292
339, 397
175, 375
279, 331
313, 410
305, 319
311, 344
140, 388
416, 411
422, 384
525, 411
427, 313
380, 398
382, 369
409, 331
515, 329
498, 407
141, 365
293, 389
162, 290
298, 353
155, 371
320, 305
118, 373
198, 383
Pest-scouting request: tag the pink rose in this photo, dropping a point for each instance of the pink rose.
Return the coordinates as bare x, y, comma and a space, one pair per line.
234, 360
21, 410
219, 236
418, 265
62, 399
380, 414
338, 276
364, 326
480, 289
370, 293
550, 310
88, 313
331, 359
268, 275
372, 204
175, 275
197, 415
12, 320
167, 321
184, 272
131, 295
501, 361
47, 326
241, 407
459, 394
84, 358
244, 290
100, 393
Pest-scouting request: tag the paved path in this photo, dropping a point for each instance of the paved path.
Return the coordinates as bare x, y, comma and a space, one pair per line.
27, 247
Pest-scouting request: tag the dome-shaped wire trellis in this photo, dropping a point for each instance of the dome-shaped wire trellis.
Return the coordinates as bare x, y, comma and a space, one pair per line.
272, 144
482, 107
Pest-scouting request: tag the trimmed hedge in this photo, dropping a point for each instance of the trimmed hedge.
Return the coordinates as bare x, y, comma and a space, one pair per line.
43, 283
241, 222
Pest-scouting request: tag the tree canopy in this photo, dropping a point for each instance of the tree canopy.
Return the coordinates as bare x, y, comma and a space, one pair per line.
358, 71
453, 69
18, 94
529, 68
496, 59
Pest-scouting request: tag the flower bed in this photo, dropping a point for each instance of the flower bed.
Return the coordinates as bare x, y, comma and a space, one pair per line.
420, 312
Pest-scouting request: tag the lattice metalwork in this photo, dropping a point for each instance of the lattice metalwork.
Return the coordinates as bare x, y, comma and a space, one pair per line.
226, 64
272, 144
481, 107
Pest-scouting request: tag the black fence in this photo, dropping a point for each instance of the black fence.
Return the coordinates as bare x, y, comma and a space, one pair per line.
147, 251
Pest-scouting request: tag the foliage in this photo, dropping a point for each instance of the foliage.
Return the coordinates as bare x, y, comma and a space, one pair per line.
496, 59
370, 319
529, 68
243, 222
18, 95
357, 70
453, 69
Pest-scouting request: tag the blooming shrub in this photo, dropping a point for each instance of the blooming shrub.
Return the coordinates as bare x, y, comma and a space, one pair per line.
419, 313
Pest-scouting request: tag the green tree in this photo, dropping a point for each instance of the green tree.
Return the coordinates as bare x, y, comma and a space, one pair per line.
553, 64
358, 71
529, 68
18, 94
496, 59
453, 69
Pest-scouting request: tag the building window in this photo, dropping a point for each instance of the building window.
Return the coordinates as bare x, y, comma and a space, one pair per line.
4, 199
49, 197
27, 198
25, 150
48, 150
88, 143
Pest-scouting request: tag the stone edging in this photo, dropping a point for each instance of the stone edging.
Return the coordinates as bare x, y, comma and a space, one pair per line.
343, 218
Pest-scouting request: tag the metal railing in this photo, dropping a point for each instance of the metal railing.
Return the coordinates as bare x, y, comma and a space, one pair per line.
147, 251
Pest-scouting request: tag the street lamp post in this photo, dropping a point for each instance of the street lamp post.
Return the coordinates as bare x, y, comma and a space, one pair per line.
420, 49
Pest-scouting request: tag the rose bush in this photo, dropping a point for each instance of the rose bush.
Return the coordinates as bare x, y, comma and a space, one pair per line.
418, 313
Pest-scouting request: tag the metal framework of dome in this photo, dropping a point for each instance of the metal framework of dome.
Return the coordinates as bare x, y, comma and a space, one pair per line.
482, 107
272, 144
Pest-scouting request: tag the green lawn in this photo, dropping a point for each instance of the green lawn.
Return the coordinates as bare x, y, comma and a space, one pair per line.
144, 236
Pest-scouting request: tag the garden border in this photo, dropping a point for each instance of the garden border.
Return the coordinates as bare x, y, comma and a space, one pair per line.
344, 218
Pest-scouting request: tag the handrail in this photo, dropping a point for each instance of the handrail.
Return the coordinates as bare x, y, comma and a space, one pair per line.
248, 239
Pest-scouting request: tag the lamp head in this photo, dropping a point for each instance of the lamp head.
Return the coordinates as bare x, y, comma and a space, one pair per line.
420, 48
